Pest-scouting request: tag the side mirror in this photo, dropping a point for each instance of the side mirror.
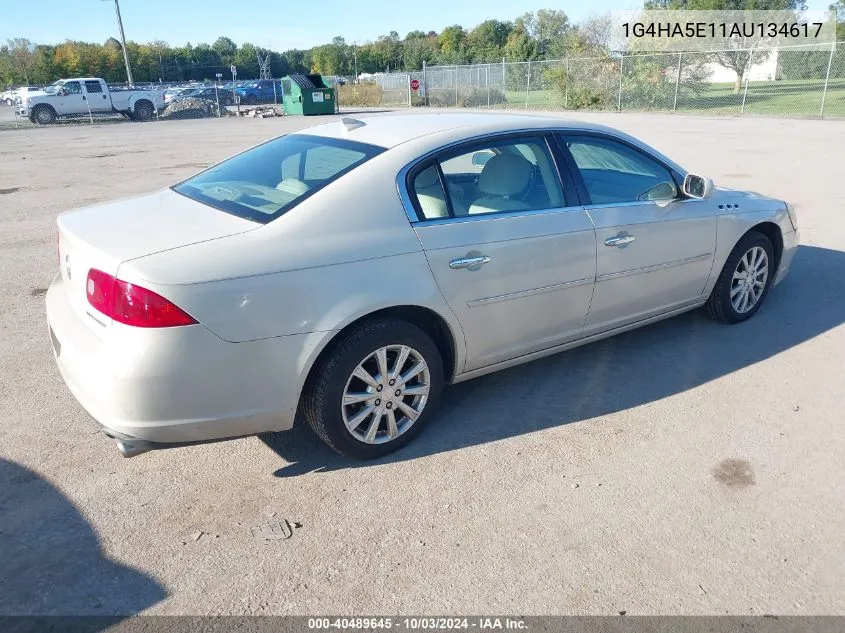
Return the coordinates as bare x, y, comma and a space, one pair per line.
479, 159
696, 186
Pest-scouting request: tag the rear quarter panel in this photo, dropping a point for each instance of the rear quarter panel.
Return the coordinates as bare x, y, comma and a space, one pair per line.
341, 254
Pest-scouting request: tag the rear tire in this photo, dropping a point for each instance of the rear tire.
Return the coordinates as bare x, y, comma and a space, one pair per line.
394, 417
144, 111
43, 115
738, 292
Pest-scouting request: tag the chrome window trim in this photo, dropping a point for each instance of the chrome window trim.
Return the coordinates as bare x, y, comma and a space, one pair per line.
410, 210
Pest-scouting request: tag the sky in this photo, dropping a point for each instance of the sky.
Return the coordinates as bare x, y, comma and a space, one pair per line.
271, 23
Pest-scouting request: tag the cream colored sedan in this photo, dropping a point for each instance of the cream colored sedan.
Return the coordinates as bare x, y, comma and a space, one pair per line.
349, 271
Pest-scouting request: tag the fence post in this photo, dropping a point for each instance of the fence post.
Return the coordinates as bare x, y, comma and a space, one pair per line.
504, 84
455, 78
827, 76
528, 85
566, 87
677, 84
619, 98
487, 83
425, 86
747, 73
410, 103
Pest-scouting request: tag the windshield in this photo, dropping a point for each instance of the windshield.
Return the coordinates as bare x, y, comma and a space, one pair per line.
264, 182
53, 87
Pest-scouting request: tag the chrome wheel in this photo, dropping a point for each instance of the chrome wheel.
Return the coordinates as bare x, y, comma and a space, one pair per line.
749, 279
385, 394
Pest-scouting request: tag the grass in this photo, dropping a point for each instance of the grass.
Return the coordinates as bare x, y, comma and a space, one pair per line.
784, 98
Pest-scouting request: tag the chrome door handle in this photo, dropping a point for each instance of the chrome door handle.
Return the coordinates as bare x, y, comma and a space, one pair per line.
619, 240
468, 262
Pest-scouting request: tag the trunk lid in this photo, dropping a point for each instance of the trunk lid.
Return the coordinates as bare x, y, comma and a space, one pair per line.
106, 235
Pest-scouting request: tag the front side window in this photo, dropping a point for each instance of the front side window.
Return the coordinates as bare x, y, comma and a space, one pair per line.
72, 88
264, 182
507, 175
614, 172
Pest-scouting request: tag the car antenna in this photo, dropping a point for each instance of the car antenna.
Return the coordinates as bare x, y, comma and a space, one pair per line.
351, 124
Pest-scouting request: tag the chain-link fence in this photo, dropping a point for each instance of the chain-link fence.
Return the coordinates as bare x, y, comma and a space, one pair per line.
806, 81
790, 81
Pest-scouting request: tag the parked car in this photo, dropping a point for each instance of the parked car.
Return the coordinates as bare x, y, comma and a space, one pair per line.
349, 271
10, 96
224, 97
172, 93
260, 91
79, 96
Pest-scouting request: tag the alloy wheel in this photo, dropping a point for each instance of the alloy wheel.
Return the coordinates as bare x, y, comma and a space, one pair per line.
749, 279
385, 394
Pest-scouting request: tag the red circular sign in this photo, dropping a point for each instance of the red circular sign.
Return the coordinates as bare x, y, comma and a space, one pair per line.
415, 84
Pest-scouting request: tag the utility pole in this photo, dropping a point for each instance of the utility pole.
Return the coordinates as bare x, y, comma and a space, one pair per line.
123, 42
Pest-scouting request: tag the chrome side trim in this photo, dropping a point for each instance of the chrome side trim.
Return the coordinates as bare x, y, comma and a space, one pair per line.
651, 269
528, 293
519, 360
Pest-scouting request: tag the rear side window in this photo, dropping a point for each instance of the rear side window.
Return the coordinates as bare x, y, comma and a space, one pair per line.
93, 86
264, 182
497, 176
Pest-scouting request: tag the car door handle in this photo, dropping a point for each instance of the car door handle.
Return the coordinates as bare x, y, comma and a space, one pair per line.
619, 240
468, 262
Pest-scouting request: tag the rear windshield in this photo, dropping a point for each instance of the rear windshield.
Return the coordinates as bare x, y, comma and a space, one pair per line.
264, 182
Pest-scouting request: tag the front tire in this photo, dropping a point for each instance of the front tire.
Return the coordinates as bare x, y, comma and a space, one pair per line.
375, 390
744, 281
44, 115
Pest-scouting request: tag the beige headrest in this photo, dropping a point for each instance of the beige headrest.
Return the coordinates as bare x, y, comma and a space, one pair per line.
505, 175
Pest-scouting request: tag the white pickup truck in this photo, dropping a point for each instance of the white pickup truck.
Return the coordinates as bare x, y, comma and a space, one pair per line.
88, 95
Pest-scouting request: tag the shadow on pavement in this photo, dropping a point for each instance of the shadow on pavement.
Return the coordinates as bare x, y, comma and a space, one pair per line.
619, 373
51, 563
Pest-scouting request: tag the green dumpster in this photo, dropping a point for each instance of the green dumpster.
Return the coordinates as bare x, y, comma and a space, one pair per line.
307, 94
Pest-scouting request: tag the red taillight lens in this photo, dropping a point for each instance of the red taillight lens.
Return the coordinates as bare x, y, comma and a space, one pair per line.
131, 304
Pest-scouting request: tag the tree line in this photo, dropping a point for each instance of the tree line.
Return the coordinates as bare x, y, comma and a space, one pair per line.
546, 34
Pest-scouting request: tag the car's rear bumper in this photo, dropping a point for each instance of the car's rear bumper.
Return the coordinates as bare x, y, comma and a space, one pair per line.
791, 242
175, 385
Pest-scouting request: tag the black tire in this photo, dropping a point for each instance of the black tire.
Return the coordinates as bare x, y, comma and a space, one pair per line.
719, 306
9, 102
43, 115
323, 395
144, 110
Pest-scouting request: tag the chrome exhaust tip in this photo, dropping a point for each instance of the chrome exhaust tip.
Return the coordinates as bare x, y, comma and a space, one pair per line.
133, 448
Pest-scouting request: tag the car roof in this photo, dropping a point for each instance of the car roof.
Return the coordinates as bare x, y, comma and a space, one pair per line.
440, 128
394, 129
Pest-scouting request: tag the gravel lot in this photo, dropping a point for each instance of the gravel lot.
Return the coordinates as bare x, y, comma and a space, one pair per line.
688, 467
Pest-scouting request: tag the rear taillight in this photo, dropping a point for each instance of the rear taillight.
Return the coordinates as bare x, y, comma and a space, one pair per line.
131, 304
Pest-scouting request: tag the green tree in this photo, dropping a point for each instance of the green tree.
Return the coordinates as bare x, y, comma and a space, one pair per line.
417, 50
520, 46
549, 28
225, 49
487, 40
452, 44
